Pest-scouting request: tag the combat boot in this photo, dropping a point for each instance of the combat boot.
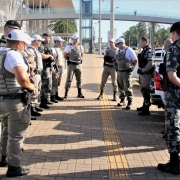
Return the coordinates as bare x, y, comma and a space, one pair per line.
100, 96
58, 98
38, 109
48, 101
80, 95
140, 108
145, 111
66, 93
129, 105
16, 171
43, 104
34, 112
53, 99
114, 96
122, 102
172, 166
3, 161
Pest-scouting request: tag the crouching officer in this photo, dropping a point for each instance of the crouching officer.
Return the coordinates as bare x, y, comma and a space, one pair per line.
145, 71
109, 69
14, 101
74, 52
172, 107
56, 76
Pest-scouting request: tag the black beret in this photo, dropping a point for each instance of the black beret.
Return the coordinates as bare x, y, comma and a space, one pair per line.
175, 26
12, 23
46, 34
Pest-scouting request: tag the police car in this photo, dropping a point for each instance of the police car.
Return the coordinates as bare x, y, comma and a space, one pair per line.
157, 93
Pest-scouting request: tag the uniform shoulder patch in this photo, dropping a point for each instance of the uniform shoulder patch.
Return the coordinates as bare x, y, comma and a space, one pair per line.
167, 56
150, 54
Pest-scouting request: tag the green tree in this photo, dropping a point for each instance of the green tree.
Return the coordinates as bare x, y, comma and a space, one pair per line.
63, 26
161, 35
132, 35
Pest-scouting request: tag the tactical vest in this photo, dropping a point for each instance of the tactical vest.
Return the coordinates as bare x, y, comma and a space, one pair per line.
110, 54
38, 58
59, 56
142, 60
8, 82
122, 62
75, 53
178, 60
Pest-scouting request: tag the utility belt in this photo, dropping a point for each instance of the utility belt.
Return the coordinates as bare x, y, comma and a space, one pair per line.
10, 96
124, 70
59, 66
108, 65
74, 63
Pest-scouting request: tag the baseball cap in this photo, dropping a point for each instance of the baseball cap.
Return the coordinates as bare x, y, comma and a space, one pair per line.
46, 34
120, 40
58, 38
12, 23
175, 26
37, 37
18, 35
75, 36
112, 40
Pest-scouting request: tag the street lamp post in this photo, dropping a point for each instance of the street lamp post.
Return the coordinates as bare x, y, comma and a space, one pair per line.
99, 27
112, 19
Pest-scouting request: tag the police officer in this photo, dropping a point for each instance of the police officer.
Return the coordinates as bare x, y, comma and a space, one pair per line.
126, 60
162, 66
33, 48
46, 75
172, 97
109, 69
74, 52
145, 71
56, 76
14, 107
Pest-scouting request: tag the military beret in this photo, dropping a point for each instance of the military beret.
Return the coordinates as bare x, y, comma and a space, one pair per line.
46, 34
12, 23
175, 26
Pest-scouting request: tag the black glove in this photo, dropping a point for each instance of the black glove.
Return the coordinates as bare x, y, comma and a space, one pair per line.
130, 69
139, 71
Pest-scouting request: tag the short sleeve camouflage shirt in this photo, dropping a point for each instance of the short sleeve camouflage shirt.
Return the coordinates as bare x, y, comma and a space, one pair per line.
172, 57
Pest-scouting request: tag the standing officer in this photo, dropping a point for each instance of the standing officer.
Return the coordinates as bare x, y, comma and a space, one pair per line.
172, 107
56, 76
109, 69
145, 71
126, 60
46, 75
14, 101
74, 52
33, 48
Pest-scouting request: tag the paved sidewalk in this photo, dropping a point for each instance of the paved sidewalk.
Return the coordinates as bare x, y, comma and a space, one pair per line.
87, 139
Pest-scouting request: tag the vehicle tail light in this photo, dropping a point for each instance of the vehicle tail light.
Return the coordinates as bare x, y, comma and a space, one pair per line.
157, 81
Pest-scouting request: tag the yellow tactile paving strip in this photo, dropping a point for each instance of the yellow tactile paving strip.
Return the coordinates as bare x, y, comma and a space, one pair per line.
117, 164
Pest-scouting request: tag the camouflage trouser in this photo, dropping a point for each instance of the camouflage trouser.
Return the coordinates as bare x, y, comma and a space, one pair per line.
172, 120
73, 69
106, 72
46, 77
124, 81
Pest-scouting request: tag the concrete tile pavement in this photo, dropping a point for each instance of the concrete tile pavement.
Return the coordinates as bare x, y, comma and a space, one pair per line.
69, 141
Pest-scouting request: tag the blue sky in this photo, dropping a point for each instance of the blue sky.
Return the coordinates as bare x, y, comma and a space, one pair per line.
161, 7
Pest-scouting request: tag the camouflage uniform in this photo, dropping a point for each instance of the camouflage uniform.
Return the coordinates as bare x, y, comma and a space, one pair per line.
46, 75
172, 97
